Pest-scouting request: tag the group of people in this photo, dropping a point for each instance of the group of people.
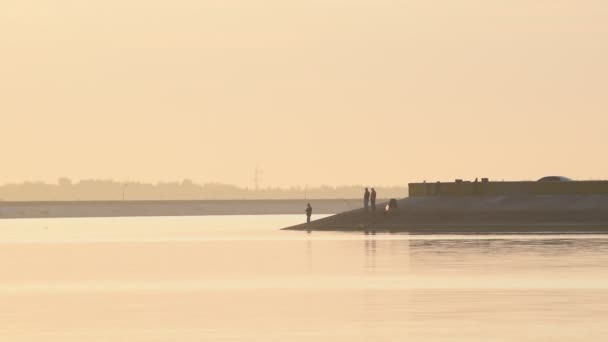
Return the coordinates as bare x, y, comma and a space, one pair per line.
369, 197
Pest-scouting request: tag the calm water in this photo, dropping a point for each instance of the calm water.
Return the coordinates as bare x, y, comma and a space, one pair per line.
239, 278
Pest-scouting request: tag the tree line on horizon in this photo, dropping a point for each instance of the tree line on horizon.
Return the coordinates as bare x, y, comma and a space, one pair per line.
110, 190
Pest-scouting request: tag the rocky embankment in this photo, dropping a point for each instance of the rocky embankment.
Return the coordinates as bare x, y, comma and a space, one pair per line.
478, 214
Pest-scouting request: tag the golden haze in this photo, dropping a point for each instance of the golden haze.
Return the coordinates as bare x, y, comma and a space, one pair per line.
314, 92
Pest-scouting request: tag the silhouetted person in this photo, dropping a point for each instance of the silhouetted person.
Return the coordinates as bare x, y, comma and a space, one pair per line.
372, 198
366, 199
308, 212
392, 204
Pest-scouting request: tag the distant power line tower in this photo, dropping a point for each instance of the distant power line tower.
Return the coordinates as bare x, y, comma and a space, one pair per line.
257, 174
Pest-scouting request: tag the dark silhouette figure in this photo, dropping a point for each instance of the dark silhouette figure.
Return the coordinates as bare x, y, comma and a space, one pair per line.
366, 199
391, 207
372, 198
392, 204
308, 212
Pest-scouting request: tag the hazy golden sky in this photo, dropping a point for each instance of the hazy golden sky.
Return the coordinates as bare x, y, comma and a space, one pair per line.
315, 91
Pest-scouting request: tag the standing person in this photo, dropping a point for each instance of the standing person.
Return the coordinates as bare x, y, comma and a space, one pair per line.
366, 199
373, 199
308, 212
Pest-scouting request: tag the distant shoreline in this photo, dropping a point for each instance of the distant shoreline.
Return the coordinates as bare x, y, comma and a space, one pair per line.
59, 209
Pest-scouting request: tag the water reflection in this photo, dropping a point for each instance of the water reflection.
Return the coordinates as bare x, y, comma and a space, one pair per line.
487, 261
242, 279
370, 252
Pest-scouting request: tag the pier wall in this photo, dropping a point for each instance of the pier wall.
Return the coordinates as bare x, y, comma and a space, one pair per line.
508, 188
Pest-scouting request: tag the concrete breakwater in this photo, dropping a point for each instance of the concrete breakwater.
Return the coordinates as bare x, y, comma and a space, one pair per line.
504, 213
493, 188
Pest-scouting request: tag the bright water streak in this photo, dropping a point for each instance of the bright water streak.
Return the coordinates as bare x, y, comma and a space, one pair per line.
238, 278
